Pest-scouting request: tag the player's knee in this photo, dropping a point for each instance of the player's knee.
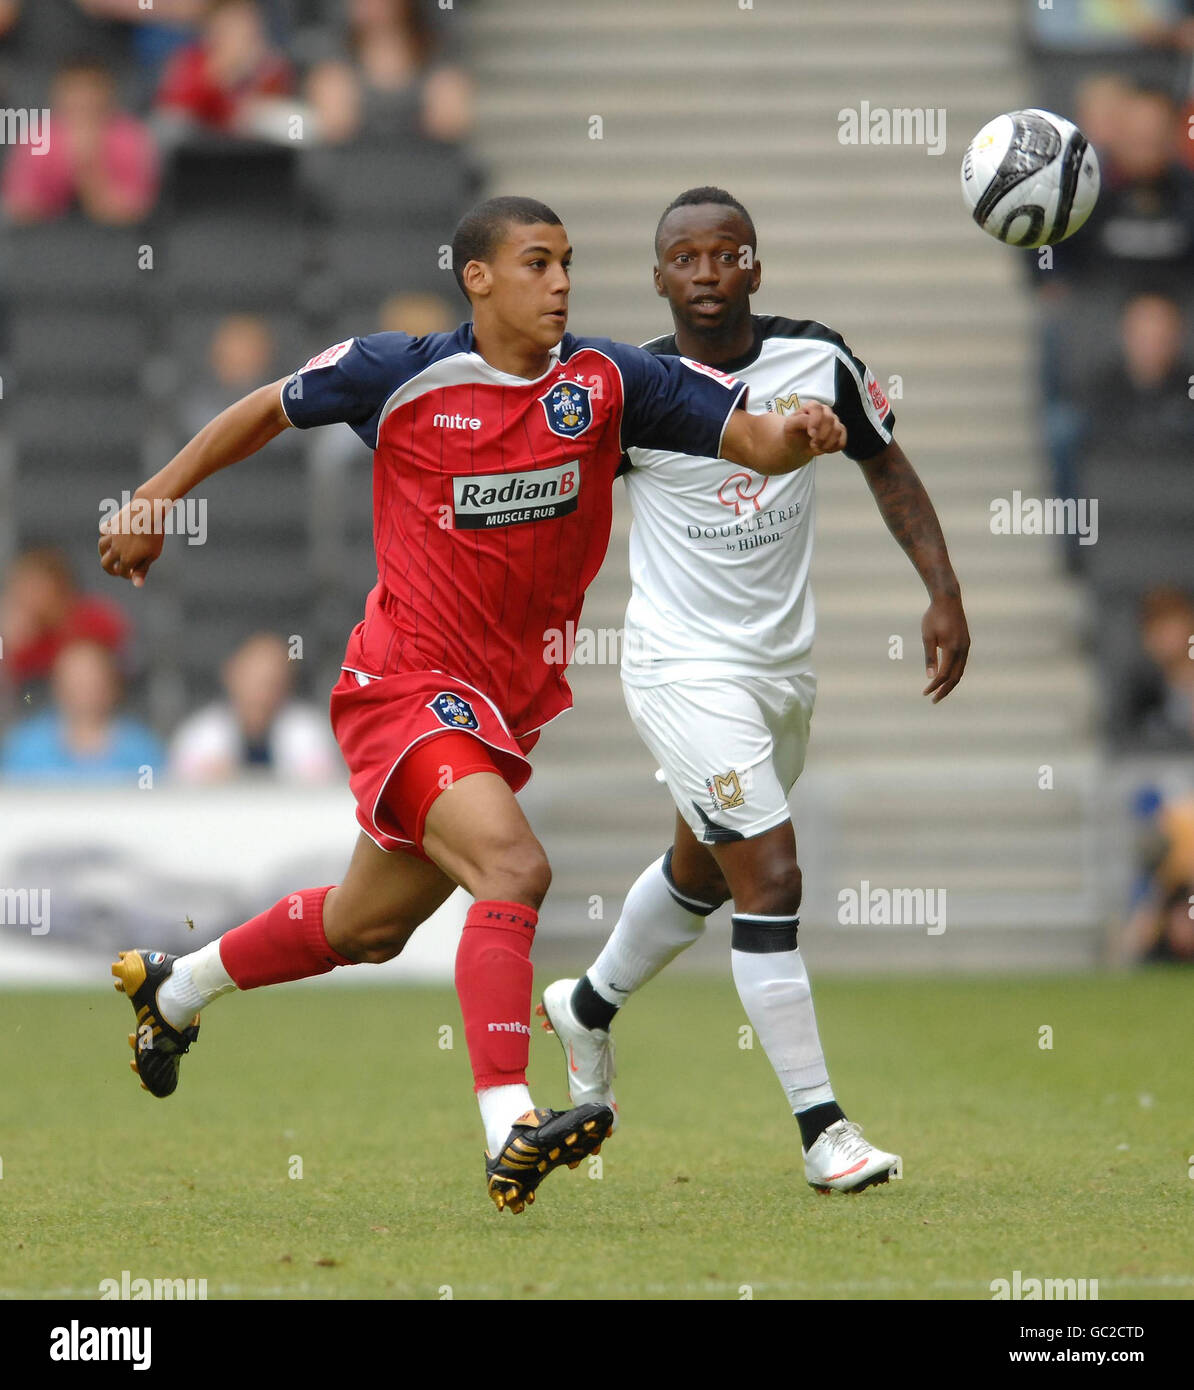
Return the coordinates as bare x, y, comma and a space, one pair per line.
703, 885
775, 891
516, 873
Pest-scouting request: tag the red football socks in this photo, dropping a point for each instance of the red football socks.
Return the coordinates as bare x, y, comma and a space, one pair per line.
494, 979
285, 943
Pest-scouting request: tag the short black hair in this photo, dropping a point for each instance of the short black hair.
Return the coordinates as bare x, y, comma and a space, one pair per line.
694, 197
479, 232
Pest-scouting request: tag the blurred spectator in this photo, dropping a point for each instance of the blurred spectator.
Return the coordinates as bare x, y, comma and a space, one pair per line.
1144, 397
83, 738
240, 358
1140, 236
96, 157
394, 76
230, 79
1159, 700
155, 32
416, 314
42, 611
259, 725
1161, 924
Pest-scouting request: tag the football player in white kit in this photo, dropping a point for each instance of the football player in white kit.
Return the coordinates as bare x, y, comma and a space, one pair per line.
717, 676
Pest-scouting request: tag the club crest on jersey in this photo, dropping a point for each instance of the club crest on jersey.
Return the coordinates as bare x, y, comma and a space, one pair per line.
567, 408
453, 710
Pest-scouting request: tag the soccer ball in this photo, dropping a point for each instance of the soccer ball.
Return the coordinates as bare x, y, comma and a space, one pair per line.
1029, 178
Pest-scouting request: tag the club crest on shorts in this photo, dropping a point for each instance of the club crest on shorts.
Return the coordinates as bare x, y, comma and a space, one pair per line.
726, 791
567, 408
453, 711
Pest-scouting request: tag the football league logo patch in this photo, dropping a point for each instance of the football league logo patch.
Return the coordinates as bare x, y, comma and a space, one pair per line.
567, 408
156, 957
453, 711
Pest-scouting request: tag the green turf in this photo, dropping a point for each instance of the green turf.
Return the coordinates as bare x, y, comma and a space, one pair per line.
1069, 1163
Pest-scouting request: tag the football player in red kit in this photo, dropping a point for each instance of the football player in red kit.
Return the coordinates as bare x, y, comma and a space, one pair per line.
495, 449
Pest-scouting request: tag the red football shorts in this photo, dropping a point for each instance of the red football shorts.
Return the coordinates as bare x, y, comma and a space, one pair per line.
389, 730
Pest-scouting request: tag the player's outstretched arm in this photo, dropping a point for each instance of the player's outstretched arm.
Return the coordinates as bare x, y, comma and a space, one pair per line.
782, 443
905, 507
132, 540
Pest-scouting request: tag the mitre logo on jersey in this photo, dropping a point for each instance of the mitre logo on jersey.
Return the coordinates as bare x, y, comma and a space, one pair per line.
453, 710
329, 356
739, 488
508, 499
875, 391
567, 408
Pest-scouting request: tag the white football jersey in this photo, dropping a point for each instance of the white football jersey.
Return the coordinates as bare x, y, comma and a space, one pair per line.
719, 554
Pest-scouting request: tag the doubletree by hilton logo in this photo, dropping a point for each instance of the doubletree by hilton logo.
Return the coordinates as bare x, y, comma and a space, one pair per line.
740, 488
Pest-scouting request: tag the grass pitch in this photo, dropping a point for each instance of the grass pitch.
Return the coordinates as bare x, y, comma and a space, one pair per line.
1069, 1162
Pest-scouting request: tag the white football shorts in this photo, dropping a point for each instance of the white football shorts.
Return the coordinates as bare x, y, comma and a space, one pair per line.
730, 747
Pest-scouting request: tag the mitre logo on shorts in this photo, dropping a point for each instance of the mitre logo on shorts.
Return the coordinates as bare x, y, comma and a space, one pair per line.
507, 499
875, 391
567, 408
453, 710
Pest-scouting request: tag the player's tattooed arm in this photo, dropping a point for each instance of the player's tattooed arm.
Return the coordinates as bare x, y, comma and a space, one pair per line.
782, 443
132, 540
905, 507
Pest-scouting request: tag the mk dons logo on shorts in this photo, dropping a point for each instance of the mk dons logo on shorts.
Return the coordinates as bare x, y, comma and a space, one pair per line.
726, 792
507, 499
453, 710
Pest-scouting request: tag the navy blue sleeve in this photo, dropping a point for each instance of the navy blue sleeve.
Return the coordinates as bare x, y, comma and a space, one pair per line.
349, 383
674, 403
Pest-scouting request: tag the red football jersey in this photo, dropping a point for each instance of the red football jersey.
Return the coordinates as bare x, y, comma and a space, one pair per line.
492, 493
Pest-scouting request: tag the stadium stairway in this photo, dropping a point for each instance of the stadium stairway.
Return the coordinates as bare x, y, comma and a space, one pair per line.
990, 795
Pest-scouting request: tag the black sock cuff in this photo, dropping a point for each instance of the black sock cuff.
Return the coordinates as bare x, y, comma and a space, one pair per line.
592, 1010
688, 904
816, 1120
763, 935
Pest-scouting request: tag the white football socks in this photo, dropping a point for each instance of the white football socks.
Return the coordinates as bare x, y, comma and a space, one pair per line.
500, 1107
775, 992
653, 929
194, 982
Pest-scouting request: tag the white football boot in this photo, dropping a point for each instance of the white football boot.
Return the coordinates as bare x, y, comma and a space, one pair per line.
589, 1052
841, 1160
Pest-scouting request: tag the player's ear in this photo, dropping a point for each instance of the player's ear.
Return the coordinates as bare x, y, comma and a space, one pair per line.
477, 279
659, 290
756, 276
